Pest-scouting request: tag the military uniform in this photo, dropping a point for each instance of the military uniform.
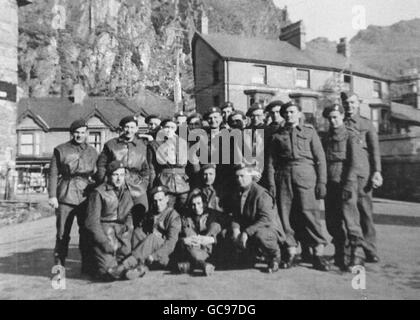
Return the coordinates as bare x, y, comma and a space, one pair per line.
370, 162
168, 169
254, 212
296, 168
156, 235
110, 224
71, 168
134, 155
342, 149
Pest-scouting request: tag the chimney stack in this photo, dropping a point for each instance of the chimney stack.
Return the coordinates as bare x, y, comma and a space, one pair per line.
78, 94
294, 34
344, 47
204, 22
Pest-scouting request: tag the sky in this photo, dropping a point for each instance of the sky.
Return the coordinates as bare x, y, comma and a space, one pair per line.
344, 18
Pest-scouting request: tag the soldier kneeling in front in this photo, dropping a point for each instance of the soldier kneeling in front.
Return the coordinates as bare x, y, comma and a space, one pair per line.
200, 228
110, 225
156, 235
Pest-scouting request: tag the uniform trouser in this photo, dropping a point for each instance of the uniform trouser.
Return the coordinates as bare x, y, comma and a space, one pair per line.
265, 240
365, 207
119, 236
65, 215
298, 207
140, 207
146, 245
342, 218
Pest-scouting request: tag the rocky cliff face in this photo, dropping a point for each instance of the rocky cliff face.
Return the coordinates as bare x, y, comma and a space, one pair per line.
386, 49
118, 47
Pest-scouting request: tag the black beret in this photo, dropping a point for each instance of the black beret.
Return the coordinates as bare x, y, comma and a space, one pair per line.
193, 116
152, 116
334, 107
128, 119
114, 165
272, 104
227, 104
289, 104
78, 124
235, 113
180, 114
157, 189
165, 121
255, 106
212, 110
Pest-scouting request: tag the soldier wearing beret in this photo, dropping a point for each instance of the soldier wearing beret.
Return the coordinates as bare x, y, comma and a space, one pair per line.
155, 237
342, 147
72, 165
169, 162
227, 108
212, 193
134, 154
370, 174
200, 228
273, 109
194, 121
257, 115
180, 118
255, 222
153, 126
110, 225
215, 132
297, 176
237, 120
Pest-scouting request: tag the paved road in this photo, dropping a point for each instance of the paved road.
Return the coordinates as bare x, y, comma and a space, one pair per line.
26, 256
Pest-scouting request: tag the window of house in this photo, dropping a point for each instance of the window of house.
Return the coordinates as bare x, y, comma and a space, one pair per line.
28, 144
216, 74
259, 74
302, 78
216, 100
95, 140
377, 92
347, 83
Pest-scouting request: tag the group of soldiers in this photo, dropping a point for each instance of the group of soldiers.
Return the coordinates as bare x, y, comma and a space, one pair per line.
140, 208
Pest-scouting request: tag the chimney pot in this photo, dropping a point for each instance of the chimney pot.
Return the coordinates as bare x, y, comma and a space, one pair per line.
343, 47
295, 34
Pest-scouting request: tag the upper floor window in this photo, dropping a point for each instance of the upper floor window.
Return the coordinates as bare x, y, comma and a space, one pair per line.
95, 140
216, 100
377, 90
302, 78
216, 73
259, 74
28, 144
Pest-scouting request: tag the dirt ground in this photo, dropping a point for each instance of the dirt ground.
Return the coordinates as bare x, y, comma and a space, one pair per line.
26, 262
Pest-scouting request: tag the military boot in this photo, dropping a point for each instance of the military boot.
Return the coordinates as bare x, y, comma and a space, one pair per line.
184, 267
320, 264
136, 272
356, 258
289, 259
208, 269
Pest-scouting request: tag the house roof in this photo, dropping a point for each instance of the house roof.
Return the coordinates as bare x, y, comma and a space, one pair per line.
57, 113
256, 50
